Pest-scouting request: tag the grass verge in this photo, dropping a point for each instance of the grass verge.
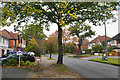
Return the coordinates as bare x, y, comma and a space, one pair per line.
50, 58
84, 55
60, 68
113, 61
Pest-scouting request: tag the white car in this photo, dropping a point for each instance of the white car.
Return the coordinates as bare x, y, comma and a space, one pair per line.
31, 53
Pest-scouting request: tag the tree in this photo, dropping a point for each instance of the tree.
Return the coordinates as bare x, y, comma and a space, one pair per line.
51, 45
97, 48
81, 30
65, 37
61, 13
32, 31
33, 46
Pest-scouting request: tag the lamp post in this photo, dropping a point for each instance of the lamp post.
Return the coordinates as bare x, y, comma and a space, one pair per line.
105, 54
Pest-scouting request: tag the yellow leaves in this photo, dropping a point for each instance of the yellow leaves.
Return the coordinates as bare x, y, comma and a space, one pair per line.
71, 14
39, 11
8, 6
72, 9
19, 3
75, 8
11, 2
68, 11
22, 3
33, 41
61, 11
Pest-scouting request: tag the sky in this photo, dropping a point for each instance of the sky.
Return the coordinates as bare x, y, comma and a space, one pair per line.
112, 29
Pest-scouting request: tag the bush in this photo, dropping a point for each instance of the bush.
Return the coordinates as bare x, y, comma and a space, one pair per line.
11, 62
97, 48
22, 63
32, 63
27, 63
111, 48
69, 49
88, 51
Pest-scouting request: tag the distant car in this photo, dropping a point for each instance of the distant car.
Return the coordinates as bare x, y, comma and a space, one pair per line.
31, 53
83, 52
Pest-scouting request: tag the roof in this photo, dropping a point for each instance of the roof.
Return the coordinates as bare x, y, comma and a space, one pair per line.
100, 38
116, 37
15, 35
3, 36
6, 34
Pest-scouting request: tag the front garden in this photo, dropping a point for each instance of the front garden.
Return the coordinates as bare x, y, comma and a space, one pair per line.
14, 63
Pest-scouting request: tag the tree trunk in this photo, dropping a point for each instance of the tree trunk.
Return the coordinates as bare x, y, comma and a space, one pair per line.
50, 55
79, 46
60, 50
64, 48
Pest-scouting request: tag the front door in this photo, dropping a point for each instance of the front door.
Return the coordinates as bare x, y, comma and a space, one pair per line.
3, 52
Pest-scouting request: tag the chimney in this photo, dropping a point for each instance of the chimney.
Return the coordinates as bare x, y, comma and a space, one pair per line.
98, 35
11, 33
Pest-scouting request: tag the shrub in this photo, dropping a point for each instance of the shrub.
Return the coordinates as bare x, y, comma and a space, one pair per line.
111, 48
27, 63
22, 63
88, 51
97, 48
32, 63
12, 62
69, 49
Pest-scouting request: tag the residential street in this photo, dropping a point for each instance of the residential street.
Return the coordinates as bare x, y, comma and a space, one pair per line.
89, 69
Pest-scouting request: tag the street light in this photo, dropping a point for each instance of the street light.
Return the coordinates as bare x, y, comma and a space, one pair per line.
105, 54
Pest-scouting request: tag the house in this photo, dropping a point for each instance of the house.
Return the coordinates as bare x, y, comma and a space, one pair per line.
84, 44
4, 45
15, 40
98, 40
115, 41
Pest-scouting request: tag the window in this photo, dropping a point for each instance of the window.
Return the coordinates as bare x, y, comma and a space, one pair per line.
13, 43
0, 38
3, 40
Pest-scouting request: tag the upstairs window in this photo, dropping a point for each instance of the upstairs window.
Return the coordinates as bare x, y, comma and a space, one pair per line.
0, 38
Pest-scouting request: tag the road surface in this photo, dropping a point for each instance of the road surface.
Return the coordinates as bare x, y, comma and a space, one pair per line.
89, 69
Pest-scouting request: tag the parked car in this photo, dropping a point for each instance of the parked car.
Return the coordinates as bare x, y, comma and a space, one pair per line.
10, 53
31, 53
24, 57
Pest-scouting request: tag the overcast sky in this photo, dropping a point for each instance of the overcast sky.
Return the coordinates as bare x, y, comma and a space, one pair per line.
112, 29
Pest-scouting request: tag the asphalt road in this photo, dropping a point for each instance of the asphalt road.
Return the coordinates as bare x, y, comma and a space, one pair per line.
89, 69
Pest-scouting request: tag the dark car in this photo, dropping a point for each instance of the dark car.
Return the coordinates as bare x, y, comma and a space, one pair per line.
24, 57
8, 54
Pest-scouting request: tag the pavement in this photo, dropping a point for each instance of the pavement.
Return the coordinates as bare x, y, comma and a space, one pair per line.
90, 69
46, 71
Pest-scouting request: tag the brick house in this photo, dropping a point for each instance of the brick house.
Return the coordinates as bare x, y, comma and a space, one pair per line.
98, 40
15, 40
4, 42
115, 41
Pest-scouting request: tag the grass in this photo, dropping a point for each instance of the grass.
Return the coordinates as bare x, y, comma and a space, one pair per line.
84, 55
60, 67
50, 58
114, 61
